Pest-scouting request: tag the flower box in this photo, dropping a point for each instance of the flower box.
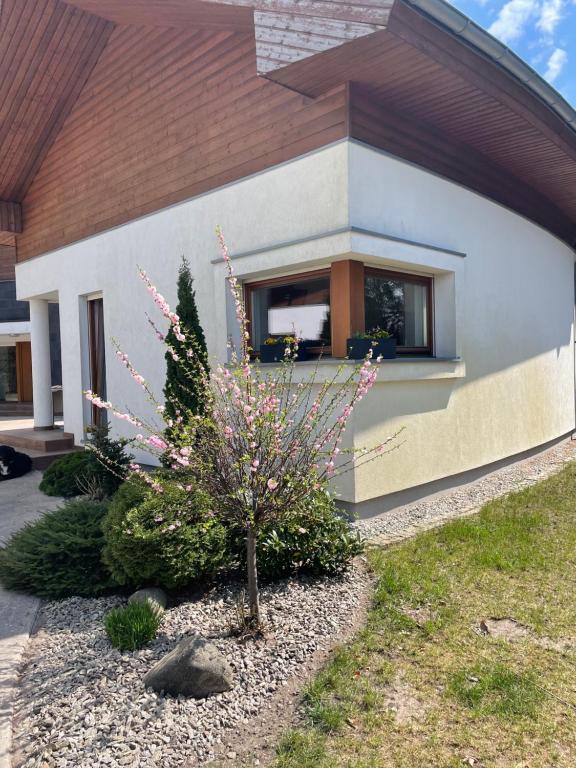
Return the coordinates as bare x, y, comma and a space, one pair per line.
358, 348
274, 353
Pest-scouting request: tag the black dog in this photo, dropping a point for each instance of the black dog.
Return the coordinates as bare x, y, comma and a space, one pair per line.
12, 463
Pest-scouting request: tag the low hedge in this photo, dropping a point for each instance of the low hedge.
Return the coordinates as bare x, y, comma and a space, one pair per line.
58, 555
84, 473
65, 476
315, 539
166, 539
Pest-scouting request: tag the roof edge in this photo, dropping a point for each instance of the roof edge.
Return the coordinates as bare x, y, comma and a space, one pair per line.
459, 24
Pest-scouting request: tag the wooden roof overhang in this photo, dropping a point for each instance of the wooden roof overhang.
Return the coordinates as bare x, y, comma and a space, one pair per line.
417, 87
47, 51
423, 93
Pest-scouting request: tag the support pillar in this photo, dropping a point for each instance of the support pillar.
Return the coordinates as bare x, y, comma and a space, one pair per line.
41, 369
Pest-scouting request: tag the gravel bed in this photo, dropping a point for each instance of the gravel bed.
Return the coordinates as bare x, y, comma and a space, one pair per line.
404, 522
83, 704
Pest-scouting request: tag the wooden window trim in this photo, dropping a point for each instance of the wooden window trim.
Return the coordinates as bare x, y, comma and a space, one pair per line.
428, 283
249, 287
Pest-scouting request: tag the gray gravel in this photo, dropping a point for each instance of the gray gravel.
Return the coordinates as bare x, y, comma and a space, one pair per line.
83, 704
407, 521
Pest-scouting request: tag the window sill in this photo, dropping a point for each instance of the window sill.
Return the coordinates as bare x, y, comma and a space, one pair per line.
399, 369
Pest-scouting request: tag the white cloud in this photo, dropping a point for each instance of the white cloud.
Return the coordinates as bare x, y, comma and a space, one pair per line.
551, 14
513, 18
555, 65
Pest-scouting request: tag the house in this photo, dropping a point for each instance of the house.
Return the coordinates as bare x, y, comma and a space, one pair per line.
15, 352
15, 347
385, 163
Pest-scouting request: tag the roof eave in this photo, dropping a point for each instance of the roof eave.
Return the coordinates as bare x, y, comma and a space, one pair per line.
458, 24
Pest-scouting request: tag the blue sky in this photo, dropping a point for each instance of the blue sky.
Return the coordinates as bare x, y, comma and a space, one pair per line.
542, 32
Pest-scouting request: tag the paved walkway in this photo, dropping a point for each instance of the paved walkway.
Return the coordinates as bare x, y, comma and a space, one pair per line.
20, 502
15, 422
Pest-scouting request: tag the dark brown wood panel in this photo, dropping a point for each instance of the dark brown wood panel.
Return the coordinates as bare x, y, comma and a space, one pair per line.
159, 13
170, 13
7, 262
47, 50
118, 156
10, 217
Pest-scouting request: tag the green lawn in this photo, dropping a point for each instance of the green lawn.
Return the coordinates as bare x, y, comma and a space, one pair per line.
421, 686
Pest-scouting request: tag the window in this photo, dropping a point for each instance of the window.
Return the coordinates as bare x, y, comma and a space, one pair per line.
296, 305
326, 307
400, 304
8, 383
96, 346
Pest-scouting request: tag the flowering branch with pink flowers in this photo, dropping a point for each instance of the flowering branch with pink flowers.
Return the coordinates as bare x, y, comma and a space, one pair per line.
267, 442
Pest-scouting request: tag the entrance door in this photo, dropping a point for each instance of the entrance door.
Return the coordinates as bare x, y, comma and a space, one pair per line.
24, 371
96, 341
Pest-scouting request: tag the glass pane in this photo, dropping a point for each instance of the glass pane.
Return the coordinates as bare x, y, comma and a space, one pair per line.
8, 384
399, 307
300, 308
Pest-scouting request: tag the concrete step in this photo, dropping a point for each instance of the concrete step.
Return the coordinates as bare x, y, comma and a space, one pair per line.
41, 440
42, 461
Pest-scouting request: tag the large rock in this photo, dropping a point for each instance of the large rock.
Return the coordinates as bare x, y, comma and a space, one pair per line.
194, 668
156, 597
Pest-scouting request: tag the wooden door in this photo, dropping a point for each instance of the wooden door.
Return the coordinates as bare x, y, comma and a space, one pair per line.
24, 371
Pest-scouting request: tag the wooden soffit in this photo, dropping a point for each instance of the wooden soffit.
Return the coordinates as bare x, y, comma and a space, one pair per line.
47, 51
10, 220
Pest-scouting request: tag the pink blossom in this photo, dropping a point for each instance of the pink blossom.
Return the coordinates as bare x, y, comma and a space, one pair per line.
157, 442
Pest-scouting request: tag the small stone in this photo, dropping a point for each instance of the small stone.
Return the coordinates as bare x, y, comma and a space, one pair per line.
154, 595
194, 668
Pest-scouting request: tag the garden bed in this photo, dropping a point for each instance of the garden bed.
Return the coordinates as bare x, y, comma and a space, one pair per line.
82, 703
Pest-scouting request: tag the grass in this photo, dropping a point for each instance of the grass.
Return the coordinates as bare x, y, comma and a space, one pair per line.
420, 685
132, 626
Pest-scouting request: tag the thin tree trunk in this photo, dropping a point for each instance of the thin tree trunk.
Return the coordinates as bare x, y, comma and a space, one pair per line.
253, 592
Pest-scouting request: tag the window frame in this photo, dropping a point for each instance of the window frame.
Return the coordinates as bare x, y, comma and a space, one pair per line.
408, 277
249, 288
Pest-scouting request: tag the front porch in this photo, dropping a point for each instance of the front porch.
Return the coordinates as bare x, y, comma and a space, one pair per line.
42, 445
31, 420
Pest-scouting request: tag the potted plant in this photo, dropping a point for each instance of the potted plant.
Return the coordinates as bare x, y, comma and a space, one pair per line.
378, 340
274, 349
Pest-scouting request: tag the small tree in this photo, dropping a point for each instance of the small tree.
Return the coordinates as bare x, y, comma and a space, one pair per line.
267, 441
186, 357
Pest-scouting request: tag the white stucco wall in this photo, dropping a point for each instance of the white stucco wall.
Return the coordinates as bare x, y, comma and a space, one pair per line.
515, 313
503, 302
12, 332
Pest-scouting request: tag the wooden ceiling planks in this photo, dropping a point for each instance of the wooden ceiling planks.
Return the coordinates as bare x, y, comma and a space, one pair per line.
10, 217
171, 13
118, 156
47, 51
158, 13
